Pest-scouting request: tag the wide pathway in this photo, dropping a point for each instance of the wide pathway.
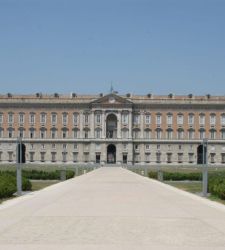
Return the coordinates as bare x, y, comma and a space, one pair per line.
111, 209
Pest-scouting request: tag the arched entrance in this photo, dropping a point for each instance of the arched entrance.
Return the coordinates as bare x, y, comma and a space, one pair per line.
111, 126
200, 154
111, 154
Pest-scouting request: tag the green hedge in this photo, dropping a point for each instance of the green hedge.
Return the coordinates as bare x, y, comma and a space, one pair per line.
217, 184
8, 185
177, 176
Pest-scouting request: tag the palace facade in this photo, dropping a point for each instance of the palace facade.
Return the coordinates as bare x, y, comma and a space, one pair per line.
113, 128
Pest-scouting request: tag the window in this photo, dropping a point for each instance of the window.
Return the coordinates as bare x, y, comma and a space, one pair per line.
42, 156
180, 119
158, 119
86, 134
75, 156
64, 146
147, 158
32, 118
64, 156
97, 133
169, 134
64, 133
223, 134
213, 134
191, 133
1, 118
125, 133
75, 133
42, 146
75, 119
64, 119
75, 146
223, 158
53, 133
212, 157
54, 118
10, 118
53, 156
21, 132
191, 157
21, 118
136, 158
158, 157
147, 147
180, 157
191, 119
43, 118
223, 119
10, 132
86, 119
169, 157
147, 119
136, 134
31, 156
202, 134
10, 156
213, 119
1, 132
136, 119
147, 134
158, 134
98, 118
158, 146
124, 118
169, 119
180, 134
201, 119
42, 133
53, 146
32, 133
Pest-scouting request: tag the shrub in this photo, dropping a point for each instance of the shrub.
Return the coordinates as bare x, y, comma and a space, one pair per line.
7, 185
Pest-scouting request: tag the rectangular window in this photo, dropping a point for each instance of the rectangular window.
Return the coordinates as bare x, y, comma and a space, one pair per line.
64, 119
31, 156
136, 119
147, 147
124, 118
147, 134
98, 118
10, 156
158, 134
75, 134
169, 119
223, 158
201, 134
191, 157
180, 119
191, 134
191, 119
86, 119
180, 134
223, 134
212, 157
180, 157
21, 118
64, 156
54, 119
158, 119
75, 119
147, 119
213, 134
75, 156
43, 118
202, 119
32, 119
53, 156
223, 119
10, 118
98, 133
1, 118
169, 157
147, 158
212, 120
158, 157
86, 134
42, 156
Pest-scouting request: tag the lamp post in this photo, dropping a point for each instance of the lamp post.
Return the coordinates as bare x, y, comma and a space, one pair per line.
18, 166
205, 168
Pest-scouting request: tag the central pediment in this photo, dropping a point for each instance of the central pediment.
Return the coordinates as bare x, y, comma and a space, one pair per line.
111, 99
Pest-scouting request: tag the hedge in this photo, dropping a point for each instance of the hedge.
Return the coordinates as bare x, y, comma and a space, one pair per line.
167, 176
8, 185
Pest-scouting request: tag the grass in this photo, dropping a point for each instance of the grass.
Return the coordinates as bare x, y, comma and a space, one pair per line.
194, 187
40, 184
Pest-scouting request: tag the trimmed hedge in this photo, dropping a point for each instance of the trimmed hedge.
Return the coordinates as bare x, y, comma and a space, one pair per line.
8, 184
217, 184
177, 176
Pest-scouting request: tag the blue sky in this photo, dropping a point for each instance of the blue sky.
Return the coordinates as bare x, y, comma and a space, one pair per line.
142, 46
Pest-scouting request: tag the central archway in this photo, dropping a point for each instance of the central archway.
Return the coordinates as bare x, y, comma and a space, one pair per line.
111, 126
111, 154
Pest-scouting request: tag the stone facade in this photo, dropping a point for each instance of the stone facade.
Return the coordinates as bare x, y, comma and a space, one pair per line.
112, 128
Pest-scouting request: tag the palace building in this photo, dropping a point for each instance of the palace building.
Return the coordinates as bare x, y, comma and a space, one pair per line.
113, 128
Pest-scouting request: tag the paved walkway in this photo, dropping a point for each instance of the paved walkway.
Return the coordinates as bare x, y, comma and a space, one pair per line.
111, 209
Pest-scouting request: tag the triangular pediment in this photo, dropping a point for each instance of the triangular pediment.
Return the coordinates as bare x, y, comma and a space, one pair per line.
111, 99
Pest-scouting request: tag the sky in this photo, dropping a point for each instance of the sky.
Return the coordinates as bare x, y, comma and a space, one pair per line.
138, 46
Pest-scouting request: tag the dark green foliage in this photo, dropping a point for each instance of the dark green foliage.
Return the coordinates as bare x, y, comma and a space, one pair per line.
217, 184
177, 176
8, 184
43, 175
